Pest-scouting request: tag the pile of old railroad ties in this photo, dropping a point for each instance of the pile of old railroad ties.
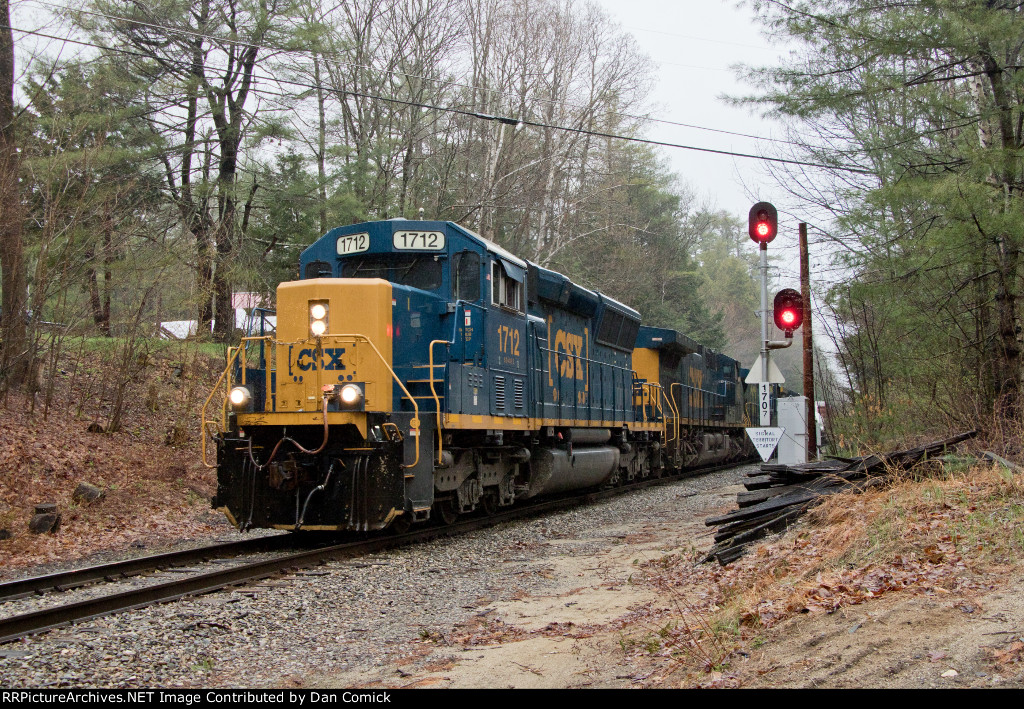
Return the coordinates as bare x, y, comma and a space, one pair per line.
778, 494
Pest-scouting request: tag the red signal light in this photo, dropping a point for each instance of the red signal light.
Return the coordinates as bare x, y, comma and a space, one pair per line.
789, 310
763, 223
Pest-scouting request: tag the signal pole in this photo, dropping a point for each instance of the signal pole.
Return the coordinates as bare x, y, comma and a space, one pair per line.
763, 225
787, 311
764, 386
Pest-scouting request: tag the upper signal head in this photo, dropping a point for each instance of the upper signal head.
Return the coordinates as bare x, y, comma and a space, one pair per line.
764, 222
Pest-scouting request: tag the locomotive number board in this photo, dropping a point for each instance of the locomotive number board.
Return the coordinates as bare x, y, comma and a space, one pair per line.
419, 240
353, 243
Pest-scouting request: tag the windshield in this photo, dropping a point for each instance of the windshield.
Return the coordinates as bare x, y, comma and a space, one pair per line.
416, 270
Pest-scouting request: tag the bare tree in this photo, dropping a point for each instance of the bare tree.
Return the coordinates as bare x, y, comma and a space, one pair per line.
201, 58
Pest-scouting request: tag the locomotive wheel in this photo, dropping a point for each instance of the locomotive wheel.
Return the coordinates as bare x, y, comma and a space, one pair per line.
489, 503
401, 524
446, 511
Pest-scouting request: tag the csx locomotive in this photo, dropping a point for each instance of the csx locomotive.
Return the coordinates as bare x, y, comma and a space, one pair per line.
418, 371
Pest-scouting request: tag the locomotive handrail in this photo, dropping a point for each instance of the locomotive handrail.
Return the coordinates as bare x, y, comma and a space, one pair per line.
692, 388
671, 393
647, 397
233, 355
588, 360
638, 388
675, 416
415, 423
267, 368
437, 401
202, 412
656, 408
227, 388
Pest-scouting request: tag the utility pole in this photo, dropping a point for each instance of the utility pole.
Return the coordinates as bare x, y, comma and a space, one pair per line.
812, 408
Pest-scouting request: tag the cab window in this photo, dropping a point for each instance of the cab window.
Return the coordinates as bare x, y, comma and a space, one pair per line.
421, 271
318, 269
467, 276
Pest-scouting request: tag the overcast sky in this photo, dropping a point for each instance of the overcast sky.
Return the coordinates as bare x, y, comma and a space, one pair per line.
695, 44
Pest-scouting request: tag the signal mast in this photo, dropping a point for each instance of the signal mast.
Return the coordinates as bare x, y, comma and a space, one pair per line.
763, 226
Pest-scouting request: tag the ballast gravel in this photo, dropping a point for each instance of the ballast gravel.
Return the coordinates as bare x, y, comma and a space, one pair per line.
344, 617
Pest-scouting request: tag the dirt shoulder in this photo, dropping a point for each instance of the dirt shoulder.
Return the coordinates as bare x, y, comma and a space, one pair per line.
969, 640
642, 613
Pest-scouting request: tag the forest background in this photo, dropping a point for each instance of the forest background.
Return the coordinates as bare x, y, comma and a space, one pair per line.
190, 149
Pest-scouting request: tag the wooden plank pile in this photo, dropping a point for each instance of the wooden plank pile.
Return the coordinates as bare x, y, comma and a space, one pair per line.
779, 494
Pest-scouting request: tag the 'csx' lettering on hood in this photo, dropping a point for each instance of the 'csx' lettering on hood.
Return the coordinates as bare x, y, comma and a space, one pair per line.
307, 361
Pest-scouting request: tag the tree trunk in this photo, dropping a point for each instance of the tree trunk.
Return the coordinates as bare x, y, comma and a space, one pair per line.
321, 145
14, 356
1009, 353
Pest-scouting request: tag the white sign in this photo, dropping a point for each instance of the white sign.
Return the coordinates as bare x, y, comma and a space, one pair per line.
426, 240
774, 375
765, 440
353, 243
764, 403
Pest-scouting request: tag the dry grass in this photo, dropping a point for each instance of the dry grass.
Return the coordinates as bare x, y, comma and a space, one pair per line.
156, 489
952, 529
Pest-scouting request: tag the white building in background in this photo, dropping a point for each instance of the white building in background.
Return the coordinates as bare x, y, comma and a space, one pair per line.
243, 305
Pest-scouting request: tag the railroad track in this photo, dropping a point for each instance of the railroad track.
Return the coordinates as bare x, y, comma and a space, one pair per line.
75, 578
19, 626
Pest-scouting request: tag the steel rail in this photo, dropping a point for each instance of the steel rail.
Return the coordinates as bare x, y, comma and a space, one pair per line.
74, 578
19, 626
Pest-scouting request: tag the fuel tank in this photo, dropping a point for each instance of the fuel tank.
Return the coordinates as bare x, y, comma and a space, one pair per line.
555, 470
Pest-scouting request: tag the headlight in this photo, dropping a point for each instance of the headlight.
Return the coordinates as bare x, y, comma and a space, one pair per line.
240, 397
318, 312
351, 395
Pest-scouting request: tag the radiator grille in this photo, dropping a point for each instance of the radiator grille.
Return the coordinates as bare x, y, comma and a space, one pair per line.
499, 393
517, 387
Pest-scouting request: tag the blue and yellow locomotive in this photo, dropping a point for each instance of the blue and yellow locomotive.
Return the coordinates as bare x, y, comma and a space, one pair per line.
418, 370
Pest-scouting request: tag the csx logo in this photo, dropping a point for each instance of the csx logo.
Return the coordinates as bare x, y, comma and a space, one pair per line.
331, 359
566, 343
696, 381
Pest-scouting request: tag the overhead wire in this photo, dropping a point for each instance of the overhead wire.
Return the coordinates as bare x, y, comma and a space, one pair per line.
287, 50
485, 116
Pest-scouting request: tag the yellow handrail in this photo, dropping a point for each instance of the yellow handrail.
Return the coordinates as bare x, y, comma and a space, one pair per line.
675, 416
202, 411
415, 422
437, 401
233, 354
671, 393
656, 407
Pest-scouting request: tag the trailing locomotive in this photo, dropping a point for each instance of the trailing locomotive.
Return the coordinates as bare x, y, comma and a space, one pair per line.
419, 370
